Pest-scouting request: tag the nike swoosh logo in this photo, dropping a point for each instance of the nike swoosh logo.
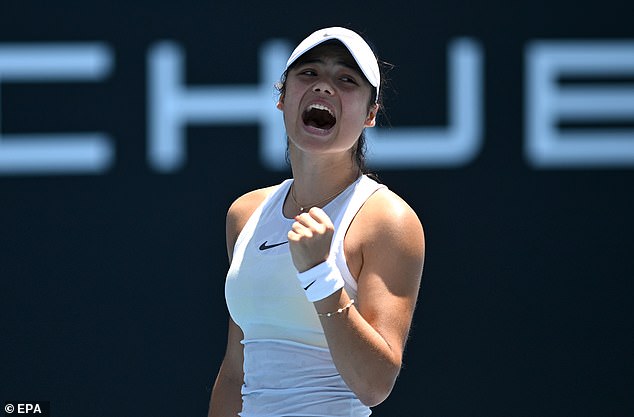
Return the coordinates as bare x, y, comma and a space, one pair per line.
308, 286
264, 246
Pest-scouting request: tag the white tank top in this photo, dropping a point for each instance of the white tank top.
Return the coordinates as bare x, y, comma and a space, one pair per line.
288, 370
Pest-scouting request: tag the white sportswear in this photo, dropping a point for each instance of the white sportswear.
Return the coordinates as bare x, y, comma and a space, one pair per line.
288, 369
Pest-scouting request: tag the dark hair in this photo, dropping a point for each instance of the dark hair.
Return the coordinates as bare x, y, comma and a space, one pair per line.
360, 149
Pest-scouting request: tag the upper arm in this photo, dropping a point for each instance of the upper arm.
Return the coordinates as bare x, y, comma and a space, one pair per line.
226, 397
237, 216
234, 357
392, 248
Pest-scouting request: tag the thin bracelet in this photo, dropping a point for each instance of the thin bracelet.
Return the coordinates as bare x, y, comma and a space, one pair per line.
339, 311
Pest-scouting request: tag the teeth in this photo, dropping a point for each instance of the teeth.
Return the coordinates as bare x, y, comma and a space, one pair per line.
320, 107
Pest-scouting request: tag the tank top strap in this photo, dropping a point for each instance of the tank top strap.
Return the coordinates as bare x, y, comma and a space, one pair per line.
364, 188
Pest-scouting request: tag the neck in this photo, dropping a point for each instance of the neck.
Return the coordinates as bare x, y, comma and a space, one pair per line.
320, 178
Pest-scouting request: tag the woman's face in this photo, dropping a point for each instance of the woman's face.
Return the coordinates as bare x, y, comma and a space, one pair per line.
326, 102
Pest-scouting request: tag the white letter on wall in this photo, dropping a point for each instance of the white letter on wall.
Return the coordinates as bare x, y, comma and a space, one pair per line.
172, 105
455, 145
60, 153
547, 103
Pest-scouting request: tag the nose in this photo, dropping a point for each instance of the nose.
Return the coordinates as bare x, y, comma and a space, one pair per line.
323, 87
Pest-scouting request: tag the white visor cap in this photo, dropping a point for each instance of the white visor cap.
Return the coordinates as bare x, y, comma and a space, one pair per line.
359, 49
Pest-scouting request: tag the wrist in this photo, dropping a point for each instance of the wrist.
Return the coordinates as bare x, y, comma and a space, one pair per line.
320, 281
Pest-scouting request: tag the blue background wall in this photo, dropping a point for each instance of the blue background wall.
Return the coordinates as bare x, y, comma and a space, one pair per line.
111, 282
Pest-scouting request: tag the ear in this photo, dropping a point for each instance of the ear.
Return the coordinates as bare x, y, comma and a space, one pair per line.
370, 121
280, 103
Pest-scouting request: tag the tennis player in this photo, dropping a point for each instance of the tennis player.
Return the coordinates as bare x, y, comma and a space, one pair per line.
326, 266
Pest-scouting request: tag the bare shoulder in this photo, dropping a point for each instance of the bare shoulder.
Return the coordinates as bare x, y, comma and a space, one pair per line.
386, 217
385, 231
240, 211
242, 208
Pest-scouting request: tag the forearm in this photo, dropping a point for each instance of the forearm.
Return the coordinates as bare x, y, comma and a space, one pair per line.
365, 360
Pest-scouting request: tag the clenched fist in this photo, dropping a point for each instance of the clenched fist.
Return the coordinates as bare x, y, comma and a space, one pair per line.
309, 238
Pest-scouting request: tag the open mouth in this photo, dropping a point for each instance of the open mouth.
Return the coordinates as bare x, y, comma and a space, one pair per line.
319, 116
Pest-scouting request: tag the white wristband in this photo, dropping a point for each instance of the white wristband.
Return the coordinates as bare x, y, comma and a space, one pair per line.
320, 281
